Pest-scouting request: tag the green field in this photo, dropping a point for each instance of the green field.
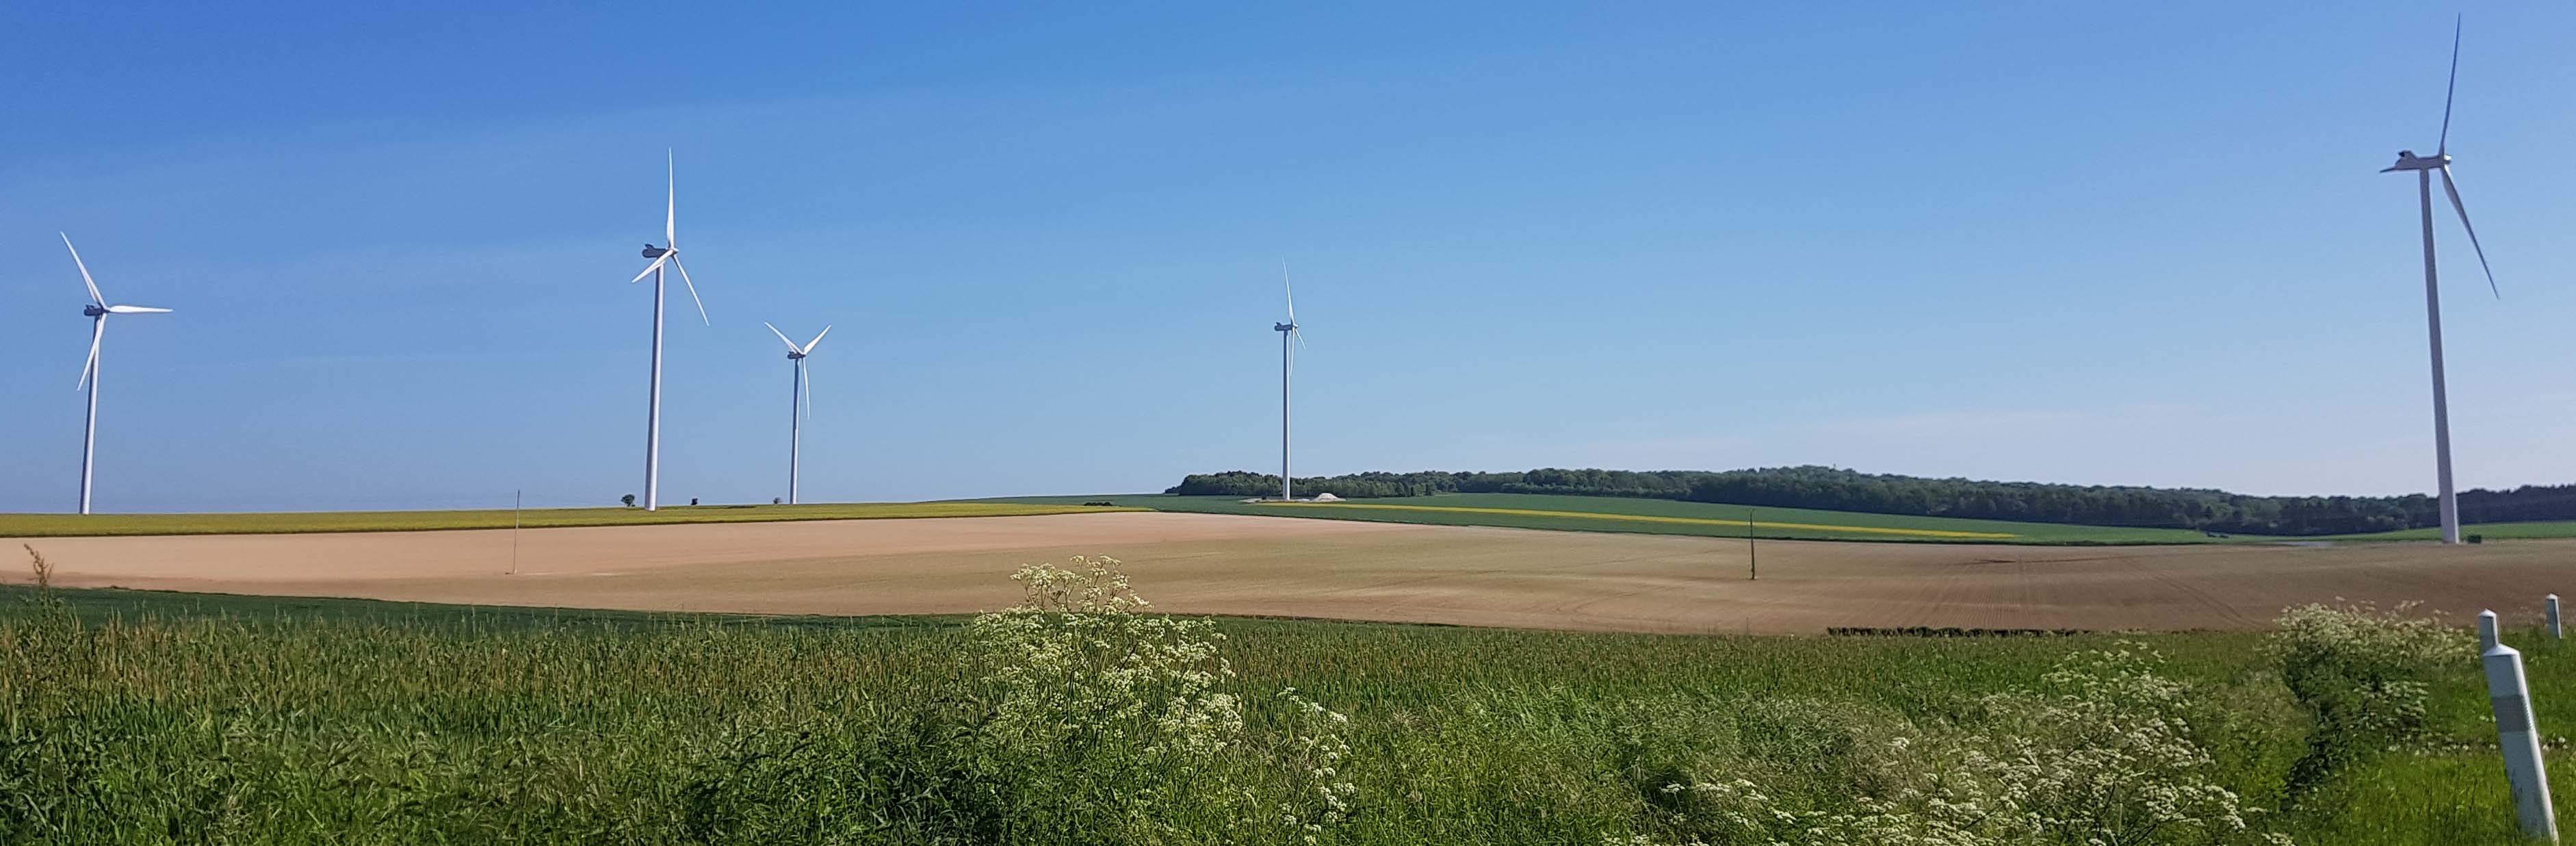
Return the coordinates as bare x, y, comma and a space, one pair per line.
2535, 530
76, 525
136, 717
2038, 533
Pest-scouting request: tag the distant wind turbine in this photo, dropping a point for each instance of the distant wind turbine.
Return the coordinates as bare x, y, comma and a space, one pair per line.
1287, 365
800, 399
2424, 168
97, 310
667, 254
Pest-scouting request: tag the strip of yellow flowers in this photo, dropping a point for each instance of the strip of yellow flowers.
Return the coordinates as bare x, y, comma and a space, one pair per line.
1643, 518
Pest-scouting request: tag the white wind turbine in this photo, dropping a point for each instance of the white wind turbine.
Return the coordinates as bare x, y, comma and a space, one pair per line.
97, 310
1287, 365
2424, 168
667, 254
800, 399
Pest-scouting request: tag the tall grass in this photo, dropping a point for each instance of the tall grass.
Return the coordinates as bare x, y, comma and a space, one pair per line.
1084, 718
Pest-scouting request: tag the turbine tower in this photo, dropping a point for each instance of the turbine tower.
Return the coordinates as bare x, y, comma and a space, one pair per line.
97, 311
2424, 168
667, 254
1287, 365
800, 399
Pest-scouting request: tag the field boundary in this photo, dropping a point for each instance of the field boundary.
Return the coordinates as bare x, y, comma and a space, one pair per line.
16, 526
1652, 518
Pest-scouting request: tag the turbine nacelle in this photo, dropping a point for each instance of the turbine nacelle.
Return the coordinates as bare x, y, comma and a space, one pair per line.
796, 351
93, 310
669, 254
1283, 327
2407, 160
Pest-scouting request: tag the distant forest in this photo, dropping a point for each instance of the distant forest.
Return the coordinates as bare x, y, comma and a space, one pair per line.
1845, 490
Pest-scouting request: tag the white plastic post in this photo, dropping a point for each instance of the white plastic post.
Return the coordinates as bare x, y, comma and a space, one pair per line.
2511, 696
2554, 633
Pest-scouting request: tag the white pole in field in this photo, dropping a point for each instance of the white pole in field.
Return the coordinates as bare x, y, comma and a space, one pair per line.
2511, 696
2554, 633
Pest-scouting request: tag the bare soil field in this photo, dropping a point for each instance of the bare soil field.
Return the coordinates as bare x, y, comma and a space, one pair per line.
1219, 564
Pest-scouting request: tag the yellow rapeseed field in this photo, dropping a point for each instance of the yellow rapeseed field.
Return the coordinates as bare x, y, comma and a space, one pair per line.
1643, 518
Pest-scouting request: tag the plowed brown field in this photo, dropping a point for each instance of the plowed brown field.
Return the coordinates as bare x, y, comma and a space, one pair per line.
1214, 564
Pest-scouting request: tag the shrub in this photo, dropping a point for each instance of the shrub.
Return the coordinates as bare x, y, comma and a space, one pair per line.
2360, 673
1102, 717
1111, 722
2103, 752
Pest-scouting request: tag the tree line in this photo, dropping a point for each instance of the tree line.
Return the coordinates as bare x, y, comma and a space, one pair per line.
1836, 489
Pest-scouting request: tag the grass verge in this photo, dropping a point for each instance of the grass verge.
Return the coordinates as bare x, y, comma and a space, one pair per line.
135, 717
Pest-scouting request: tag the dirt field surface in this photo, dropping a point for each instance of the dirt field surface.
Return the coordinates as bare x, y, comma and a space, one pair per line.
1214, 564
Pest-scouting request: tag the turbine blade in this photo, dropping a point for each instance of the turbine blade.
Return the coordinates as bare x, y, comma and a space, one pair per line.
806, 377
131, 309
818, 338
84, 269
97, 330
692, 286
671, 207
1292, 292
2453, 189
782, 337
648, 269
1300, 334
2453, 87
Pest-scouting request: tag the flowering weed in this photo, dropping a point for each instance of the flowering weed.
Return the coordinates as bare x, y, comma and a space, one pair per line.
2362, 675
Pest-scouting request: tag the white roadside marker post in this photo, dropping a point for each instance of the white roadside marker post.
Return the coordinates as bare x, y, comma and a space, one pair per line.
2554, 633
2511, 696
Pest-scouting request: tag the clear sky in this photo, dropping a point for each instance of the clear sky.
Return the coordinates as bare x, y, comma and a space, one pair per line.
2079, 242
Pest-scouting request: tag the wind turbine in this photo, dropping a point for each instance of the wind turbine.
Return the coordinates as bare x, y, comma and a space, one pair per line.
667, 254
97, 310
800, 400
2424, 168
1287, 365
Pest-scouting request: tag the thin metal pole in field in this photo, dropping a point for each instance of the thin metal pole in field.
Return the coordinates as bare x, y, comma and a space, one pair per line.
515, 498
2554, 633
2510, 694
1752, 556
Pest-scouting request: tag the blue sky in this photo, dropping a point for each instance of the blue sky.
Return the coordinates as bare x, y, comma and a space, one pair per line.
2067, 242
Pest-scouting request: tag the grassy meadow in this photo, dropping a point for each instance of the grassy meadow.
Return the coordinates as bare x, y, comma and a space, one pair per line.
136, 717
1565, 514
77, 525
2534, 530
